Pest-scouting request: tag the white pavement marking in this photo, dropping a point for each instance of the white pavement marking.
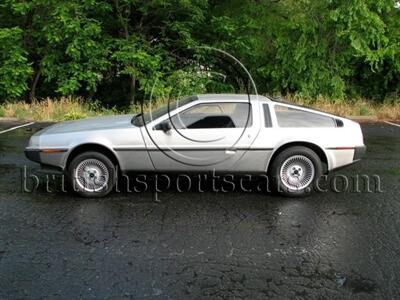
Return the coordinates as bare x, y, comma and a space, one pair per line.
16, 127
394, 124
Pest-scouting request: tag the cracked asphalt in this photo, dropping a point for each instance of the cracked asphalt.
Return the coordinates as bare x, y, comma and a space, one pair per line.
202, 245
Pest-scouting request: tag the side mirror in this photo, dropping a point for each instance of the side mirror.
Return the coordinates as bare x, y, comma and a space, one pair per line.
164, 126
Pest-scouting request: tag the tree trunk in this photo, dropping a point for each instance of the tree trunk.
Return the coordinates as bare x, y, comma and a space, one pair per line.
32, 91
29, 44
125, 27
133, 90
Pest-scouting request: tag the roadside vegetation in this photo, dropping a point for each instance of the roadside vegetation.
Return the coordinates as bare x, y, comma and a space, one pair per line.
118, 52
382, 110
65, 109
338, 55
69, 108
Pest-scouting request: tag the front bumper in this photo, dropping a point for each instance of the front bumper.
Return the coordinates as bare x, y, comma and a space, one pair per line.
359, 152
54, 157
33, 155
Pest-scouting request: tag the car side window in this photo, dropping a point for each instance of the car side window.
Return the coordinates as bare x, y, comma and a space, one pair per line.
267, 116
292, 117
214, 115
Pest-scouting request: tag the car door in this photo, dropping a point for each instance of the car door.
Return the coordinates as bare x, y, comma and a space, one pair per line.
205, 136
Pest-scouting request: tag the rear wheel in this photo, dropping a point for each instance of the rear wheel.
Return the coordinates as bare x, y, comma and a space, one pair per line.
92, 174
295, 170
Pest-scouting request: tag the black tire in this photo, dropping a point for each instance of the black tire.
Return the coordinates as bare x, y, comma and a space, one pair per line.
301, 163
98, 165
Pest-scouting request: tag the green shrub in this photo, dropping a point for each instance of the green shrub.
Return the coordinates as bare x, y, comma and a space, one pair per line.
73, 116
109, 111
364, 111
22, 113
2, 112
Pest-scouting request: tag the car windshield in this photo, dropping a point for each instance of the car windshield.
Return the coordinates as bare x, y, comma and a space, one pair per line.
153, 114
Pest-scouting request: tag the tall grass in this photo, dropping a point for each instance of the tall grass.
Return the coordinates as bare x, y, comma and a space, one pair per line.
62, 109
354, 107
69, 108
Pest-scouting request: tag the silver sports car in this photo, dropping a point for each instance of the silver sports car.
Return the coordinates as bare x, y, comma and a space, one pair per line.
222, 133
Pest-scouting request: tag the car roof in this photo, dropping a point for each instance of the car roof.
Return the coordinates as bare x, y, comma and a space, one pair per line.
230, 97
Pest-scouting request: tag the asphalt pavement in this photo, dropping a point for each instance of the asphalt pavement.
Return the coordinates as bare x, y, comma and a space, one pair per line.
191, 245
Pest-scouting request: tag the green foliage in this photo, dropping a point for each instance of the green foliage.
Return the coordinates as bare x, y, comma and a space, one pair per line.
187, 82
22, 113
73, 116
14, 67
334, 48
364, 111
75, 53
323, 44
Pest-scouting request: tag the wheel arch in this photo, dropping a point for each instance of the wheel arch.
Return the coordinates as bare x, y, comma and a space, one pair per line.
91, 147
317, 149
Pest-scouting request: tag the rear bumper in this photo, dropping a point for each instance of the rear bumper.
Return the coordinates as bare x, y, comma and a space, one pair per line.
359, 152
344, 156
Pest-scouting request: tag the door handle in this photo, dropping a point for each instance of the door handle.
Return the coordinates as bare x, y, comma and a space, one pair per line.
230, 152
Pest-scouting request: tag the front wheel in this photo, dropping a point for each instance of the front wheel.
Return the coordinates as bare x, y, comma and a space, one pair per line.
295, 170
92, 174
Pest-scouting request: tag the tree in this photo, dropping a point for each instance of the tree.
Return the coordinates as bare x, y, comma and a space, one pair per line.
329, 47
14, 67
117, 49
